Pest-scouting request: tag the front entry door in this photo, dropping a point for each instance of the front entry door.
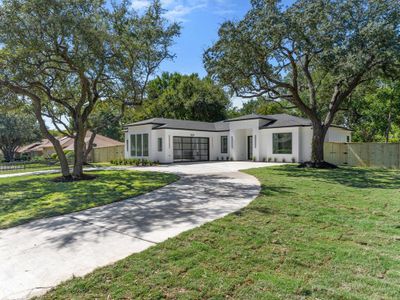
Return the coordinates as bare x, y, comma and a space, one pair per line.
250, 147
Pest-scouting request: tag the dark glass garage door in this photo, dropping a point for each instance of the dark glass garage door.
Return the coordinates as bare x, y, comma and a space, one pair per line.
191, 148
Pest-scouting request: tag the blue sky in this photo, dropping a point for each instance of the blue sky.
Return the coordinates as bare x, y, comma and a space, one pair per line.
200, 21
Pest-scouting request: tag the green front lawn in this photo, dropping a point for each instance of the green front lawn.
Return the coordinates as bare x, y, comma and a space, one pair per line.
311, 234
27, 198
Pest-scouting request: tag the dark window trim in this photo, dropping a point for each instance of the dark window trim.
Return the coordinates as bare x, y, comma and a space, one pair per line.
159, 144
202, 157
291, 143
135, 151
224, 147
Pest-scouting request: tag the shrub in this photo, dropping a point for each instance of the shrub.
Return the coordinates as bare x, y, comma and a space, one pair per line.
275, 159
269, 159
132, 162
254, 158
283, 160
293, 160
217, 157
264, 159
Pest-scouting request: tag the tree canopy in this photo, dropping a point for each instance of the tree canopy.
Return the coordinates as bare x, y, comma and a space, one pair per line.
16, 129
185, 97
313, 54
66, 57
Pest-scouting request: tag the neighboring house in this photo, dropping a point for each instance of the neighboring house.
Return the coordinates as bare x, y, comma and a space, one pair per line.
250, 137
45, 147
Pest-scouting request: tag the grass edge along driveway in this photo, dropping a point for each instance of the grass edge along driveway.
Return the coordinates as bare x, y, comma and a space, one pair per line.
27, 198
311, 234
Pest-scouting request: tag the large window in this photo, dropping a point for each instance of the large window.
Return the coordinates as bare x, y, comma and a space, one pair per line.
140, 144
224, 144
282, 143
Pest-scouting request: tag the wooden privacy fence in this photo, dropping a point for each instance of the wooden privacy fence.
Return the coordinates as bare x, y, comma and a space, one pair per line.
107, 154
377, 155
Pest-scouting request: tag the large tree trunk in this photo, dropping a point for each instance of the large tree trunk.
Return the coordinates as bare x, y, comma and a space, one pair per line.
66, 174
8, 153
318, 139
79, 150
89, 147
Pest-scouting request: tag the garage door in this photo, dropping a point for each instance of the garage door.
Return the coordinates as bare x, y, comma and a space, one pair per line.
191, 148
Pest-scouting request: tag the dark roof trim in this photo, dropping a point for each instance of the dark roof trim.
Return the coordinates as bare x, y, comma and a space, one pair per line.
149, 123
174, 128
335, 126
250, 118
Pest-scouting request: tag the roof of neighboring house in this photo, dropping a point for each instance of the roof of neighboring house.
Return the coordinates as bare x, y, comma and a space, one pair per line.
274, 121
67, 143
100, 141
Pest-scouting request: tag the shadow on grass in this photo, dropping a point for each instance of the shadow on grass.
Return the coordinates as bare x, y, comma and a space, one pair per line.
352, 177
22, 199
190, 202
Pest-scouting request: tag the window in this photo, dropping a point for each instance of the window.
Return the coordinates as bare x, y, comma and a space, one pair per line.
224, 144
231, 142
255, 141
133, 144
348, 139
159, 142
127, 145
146, 144
282, 143
140, 144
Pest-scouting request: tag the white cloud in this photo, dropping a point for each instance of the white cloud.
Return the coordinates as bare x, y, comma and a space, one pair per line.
140, 4
177, 10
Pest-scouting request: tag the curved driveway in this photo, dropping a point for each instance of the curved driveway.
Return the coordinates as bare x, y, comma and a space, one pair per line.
37, 256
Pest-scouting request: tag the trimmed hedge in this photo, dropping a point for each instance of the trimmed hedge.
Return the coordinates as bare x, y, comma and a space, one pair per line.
132, 162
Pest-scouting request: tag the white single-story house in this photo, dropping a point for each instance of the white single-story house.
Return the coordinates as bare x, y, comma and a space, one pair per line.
279, 137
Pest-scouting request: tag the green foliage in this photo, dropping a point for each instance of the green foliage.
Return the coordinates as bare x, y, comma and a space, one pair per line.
67, 57
185, 97
375, 113
263, 106
310, 234
312, 54
26, 198
132, 162
16, 129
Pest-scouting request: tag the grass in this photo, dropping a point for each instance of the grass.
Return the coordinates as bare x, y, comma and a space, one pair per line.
27, 198
311, 234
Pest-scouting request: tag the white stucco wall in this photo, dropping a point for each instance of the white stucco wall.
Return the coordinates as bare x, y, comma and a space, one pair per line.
338, 135
266, 150
238, 133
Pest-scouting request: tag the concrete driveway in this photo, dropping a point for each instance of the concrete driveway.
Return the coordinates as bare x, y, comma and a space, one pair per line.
39, 255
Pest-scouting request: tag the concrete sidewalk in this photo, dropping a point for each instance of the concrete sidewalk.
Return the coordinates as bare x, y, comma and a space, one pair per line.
39, 255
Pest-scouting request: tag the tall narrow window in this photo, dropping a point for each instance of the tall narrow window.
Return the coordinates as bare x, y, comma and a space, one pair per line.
282, 143
138, 145
224, 144
146, 144
133, 144
127, 145
159, 144
231, 142
255, 141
